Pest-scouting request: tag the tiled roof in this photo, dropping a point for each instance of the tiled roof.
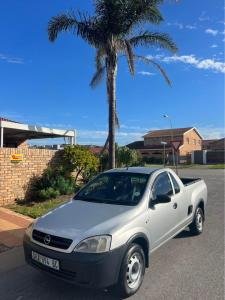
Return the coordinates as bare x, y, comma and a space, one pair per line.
94, 149
217, 144
167, 132
207, 142
136, 145
140, 145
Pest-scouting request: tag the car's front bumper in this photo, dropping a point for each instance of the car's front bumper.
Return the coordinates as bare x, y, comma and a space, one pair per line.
92, 270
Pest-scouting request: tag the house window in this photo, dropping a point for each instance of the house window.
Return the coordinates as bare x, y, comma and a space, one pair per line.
187, 140
194, 142
199, 142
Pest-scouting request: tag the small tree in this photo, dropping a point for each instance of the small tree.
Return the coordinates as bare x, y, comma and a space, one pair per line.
81, 160
126, 157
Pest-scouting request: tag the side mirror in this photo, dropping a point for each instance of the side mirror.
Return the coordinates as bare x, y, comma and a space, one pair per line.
163, 199
160, 199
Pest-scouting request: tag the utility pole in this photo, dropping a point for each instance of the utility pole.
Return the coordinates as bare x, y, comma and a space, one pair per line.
164, 153
171, 132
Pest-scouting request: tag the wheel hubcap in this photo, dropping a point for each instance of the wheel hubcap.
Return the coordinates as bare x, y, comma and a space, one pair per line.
199, 221
134, 271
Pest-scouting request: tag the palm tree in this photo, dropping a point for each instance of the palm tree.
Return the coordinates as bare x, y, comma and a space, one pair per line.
114, 31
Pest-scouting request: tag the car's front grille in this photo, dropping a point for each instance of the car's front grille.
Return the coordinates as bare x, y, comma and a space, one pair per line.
51, 240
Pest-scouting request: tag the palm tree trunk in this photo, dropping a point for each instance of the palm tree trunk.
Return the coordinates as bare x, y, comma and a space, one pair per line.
111, 67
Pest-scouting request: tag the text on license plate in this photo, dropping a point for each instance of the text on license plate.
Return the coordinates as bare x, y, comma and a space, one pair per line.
44, 260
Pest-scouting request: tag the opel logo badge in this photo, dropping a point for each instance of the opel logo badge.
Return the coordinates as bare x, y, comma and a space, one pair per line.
47, 239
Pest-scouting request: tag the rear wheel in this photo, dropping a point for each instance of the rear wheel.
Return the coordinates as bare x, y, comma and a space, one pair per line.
196, 226
132, 271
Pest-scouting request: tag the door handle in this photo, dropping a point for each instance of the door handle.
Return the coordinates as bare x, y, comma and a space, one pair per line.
175, 205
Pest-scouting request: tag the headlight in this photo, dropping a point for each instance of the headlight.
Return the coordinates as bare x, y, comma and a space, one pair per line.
29, 229
95, 244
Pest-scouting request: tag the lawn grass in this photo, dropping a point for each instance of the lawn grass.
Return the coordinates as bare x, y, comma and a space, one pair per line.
37, 209
180, 166
188, 166
217, 166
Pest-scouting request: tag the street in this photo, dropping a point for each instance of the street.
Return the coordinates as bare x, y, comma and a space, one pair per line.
185, 268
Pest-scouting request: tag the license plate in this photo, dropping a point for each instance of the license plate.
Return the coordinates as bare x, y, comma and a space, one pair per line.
44, 260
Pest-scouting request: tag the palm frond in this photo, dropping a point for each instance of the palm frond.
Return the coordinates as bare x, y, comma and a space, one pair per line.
99, 58
98, 76
147, 38
87, 27
100, 68
156, 65
117, 120
130, 56
149, 13
105, 146
120, 16
60, 23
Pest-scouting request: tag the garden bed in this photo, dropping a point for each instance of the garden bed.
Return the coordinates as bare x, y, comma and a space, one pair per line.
36, 209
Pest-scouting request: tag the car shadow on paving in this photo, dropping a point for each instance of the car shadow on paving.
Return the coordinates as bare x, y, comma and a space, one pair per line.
35, 285
11, 238
3, 247
29, 283
69, 291
184, 234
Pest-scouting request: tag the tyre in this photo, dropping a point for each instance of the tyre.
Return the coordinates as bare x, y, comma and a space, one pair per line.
132, 271
196, 226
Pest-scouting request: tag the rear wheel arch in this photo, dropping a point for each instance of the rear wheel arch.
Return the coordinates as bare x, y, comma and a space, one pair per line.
201, 204
196, 227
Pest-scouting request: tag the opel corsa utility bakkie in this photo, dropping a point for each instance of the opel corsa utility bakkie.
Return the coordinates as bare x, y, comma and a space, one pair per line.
104, 236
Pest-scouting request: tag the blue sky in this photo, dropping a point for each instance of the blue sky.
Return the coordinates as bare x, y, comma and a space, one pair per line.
47, 83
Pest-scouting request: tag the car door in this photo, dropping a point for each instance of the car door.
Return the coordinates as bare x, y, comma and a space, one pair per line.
184, 206
163, 217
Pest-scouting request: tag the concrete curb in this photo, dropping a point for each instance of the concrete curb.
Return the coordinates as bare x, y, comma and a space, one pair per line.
13, 213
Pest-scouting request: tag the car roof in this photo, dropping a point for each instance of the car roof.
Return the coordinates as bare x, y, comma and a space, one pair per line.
141, 170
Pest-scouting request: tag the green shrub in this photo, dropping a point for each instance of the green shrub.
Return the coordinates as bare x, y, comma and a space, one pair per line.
48, 193
54, 182
65, 186
50, 177
152, 160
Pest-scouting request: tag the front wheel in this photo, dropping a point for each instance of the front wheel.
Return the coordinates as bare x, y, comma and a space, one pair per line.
196, 226
132, 271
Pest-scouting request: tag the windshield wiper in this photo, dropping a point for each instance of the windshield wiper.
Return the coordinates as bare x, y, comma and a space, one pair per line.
127, 203
90, 199
105, 201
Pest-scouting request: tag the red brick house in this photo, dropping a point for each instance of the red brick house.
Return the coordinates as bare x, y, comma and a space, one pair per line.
152, 146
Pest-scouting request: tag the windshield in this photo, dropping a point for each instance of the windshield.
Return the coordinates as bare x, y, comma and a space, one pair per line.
115, 188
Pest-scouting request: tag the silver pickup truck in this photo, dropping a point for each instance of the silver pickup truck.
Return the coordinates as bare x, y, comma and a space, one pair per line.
105, 235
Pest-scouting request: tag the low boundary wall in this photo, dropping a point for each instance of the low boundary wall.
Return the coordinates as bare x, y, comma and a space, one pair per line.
17, 168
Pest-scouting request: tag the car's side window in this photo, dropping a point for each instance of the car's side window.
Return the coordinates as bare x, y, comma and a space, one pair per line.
175, 184
162, 186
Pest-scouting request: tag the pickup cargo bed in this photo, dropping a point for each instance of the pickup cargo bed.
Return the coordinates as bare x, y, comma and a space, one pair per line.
189, 181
